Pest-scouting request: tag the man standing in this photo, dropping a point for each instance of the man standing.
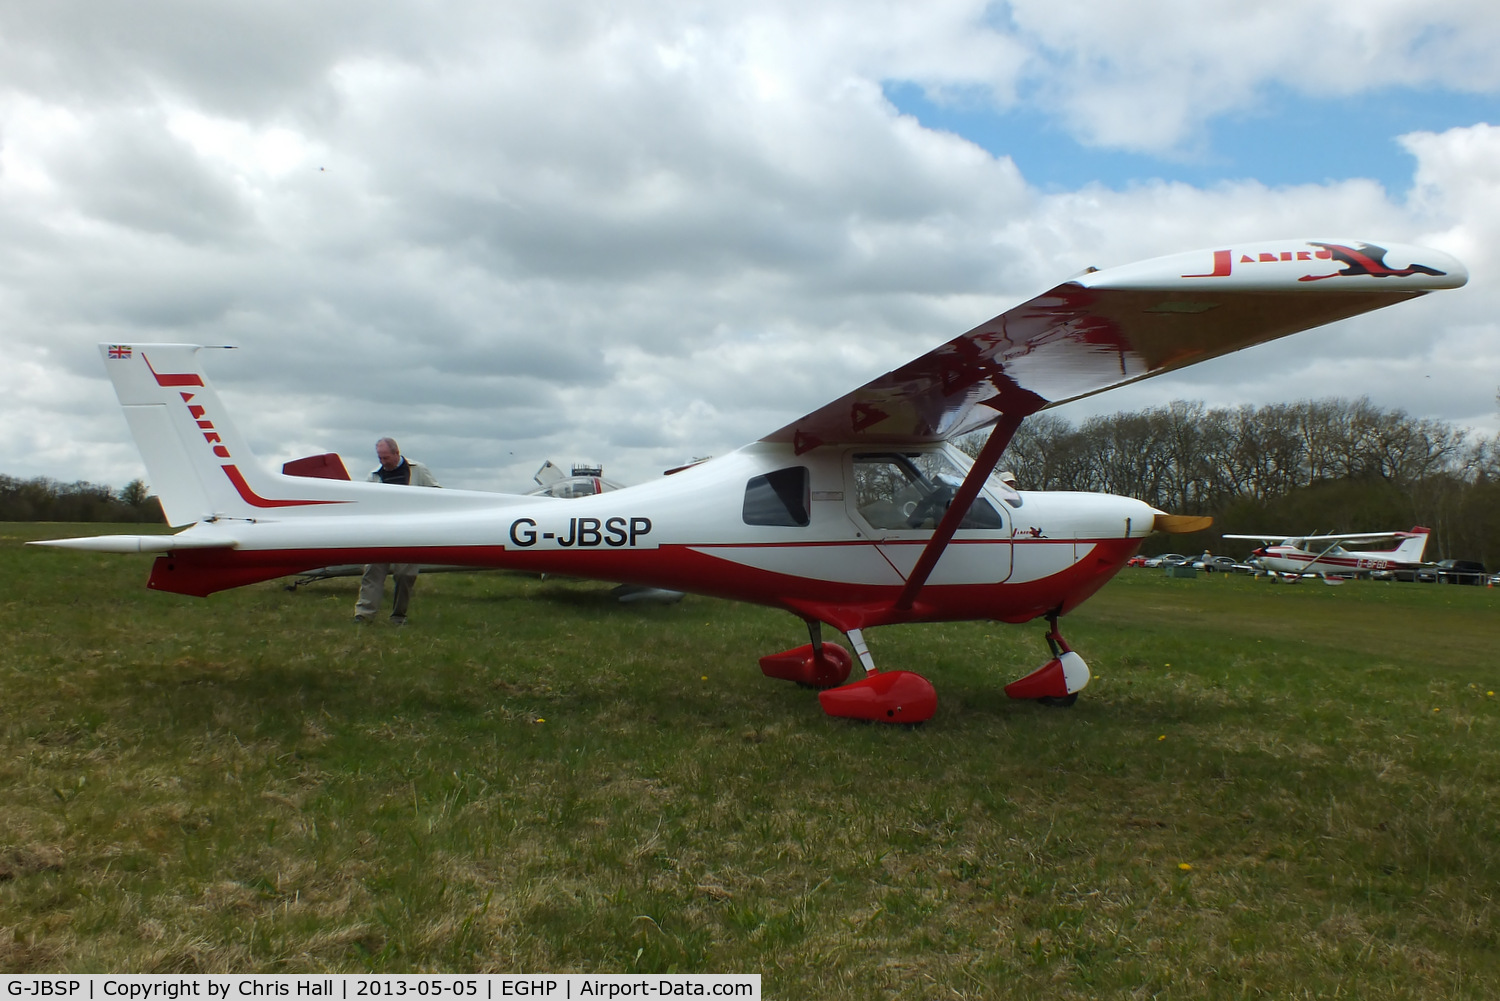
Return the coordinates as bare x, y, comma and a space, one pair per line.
393, 469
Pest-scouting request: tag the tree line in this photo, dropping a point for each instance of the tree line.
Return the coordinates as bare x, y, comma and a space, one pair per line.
1312, 467
1317, 466
44, 499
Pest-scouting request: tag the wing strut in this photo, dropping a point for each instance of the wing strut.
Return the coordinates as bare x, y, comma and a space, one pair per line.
1015, 405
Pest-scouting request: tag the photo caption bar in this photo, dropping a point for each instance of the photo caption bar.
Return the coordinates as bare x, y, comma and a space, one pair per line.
358, 986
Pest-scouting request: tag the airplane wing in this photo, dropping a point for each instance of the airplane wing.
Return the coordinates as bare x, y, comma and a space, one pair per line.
1361, 537
1358, 537
1107, 328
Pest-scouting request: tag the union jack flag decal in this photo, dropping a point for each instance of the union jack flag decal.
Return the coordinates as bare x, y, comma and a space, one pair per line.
119, 350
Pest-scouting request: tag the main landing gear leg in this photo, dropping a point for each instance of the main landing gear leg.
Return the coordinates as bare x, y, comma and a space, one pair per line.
1057, 682
880, 696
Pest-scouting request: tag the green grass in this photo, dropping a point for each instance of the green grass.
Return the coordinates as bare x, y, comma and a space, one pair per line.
531, 777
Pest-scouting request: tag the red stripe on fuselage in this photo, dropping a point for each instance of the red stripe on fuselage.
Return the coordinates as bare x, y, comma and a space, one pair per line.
1342, 562
844, 605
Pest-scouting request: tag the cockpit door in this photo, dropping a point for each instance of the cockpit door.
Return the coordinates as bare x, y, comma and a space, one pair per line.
896, 498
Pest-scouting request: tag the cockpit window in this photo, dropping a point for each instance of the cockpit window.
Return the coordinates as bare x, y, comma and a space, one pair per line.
1003, 485
573, 487
911, 490
779, 498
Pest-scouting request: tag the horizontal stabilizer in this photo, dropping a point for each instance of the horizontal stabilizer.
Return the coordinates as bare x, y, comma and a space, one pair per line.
134, 543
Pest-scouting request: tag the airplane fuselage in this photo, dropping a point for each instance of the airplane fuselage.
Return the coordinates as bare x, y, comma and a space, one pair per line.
831, 534
1291, 560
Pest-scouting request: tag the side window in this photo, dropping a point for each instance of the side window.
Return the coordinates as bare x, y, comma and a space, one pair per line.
779, 498
912, 490
887, 490
982, 515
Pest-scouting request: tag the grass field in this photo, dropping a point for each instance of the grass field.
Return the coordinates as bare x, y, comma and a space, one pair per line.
1268, 790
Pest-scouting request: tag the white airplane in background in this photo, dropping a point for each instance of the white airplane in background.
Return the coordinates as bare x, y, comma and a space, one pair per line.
862, 513
1294, 555
585, 480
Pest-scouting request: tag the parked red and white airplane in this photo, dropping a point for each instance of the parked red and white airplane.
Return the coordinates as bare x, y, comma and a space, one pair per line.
1295, 556
862, 513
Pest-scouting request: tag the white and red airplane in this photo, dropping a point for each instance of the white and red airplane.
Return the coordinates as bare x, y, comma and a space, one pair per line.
862, 513
1294, 555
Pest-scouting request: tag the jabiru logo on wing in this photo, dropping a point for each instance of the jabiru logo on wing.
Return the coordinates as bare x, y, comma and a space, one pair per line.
1367, 260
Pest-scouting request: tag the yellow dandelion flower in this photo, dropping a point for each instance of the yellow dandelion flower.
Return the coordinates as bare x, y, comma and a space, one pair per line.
1185, 867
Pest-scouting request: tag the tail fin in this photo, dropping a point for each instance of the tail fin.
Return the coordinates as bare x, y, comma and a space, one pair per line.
1413, 545
197, 463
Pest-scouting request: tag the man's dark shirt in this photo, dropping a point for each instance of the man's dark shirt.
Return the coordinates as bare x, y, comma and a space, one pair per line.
401, 474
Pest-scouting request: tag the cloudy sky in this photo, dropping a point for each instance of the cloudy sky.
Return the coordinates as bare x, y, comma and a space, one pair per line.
647, 232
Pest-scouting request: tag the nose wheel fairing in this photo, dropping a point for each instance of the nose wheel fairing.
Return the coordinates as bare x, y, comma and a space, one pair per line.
1058, 681
1062, 677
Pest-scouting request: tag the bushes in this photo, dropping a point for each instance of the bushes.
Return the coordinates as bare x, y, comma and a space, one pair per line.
43, 499
1330, 465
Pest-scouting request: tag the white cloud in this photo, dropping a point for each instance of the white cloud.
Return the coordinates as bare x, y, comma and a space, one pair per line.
1147, 77
1457, 190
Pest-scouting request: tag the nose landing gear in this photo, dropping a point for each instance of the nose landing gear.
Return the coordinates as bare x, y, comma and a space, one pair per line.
1057, 682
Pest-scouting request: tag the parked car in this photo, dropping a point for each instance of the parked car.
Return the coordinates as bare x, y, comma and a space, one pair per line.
1164, 560
1460, 572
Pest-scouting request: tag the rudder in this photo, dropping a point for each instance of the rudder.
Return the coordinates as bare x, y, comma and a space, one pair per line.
193, 453
1413, 545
